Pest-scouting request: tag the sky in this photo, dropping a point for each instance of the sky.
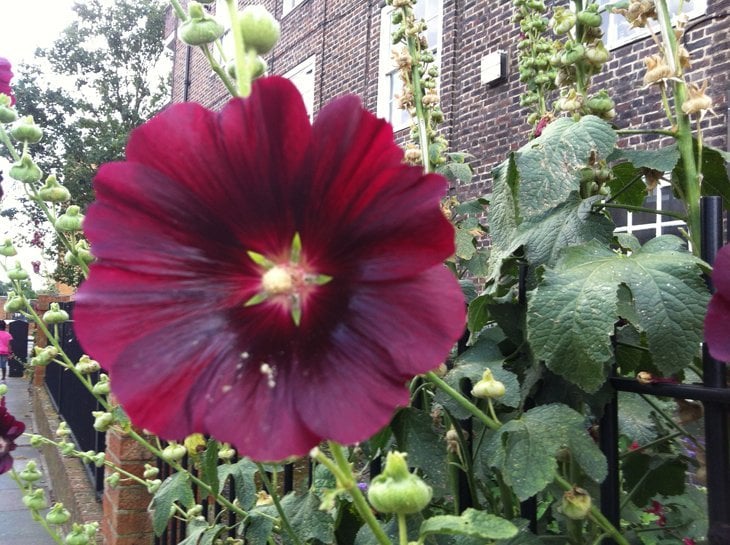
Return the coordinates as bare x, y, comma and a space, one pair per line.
24, 26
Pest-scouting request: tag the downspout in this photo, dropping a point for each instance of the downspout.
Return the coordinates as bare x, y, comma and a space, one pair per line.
186, 75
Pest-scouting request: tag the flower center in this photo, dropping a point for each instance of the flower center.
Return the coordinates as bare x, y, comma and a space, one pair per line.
277, 280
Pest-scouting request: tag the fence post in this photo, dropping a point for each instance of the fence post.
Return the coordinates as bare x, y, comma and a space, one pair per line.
716, 415
126, 519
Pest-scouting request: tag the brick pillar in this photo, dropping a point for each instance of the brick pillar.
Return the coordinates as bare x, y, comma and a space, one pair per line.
126, 520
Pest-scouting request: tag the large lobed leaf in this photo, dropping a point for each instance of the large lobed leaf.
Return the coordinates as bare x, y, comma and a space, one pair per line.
176, 488
472, 523
571, 315
526, 456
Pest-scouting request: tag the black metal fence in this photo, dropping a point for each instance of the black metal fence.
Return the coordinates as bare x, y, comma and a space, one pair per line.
74, 402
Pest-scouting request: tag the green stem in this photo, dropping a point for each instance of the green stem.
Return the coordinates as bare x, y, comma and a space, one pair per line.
662, 132
625, 188
277, 503
402, 529
491, 410
243, 71
464, 402
631, 208
631, 493
420, 119
596, 516
340, 468
35, 514
219, 71
179, 11
670, 421
690, 183
5, 139
652, 444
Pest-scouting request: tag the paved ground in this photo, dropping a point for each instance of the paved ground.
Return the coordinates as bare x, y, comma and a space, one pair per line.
16, 525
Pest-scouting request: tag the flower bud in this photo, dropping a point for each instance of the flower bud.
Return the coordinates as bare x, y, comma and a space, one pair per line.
35, 500
7, 112
194, 444
98, 459
66, 448
30, 474
259, 28
194, 511
25, 170
226, 452
153, 486
17, 273
3, 389
590, 16
200, 29
62, 430
576, 504
87, 366
173, 452
14, 302
396, 490
55, 315
7, 249
77, 536
71, 220
36, 441
58, 515
82, 254
102, 387
113, 480
102, 420
150, 471
53, 191
25, 130
263, 498
488, 387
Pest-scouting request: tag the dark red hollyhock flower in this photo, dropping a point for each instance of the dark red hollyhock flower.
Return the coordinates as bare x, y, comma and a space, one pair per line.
10, 430
6, 74
198, 330
717, 321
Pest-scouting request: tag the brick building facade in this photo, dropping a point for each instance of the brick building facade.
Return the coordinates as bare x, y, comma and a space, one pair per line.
342, 40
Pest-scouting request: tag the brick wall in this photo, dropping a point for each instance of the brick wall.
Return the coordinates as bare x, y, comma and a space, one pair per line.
485, 121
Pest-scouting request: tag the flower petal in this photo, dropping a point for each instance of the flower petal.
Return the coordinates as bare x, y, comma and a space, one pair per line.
717, 327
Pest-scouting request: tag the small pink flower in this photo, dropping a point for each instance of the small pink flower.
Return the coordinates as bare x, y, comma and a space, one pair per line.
688, 541
10, 430
658, 510
266, 281
36, 266
6, 74
634, 446
717, 321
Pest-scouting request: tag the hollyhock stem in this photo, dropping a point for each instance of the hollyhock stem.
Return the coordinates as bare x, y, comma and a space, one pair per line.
340, 468
243, 66
179, 11
219, 70
402, 529
463, 401
277, 503
420, 118
34, 513
8, 144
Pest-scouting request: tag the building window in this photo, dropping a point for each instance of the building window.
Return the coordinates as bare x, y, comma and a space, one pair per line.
618, 31
289, 5
302, 76
644, 225
389, 83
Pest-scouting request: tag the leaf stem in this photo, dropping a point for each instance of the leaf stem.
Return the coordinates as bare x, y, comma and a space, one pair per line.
402, 529
5, 139
463, 401
631, 208
277, 503
663, 132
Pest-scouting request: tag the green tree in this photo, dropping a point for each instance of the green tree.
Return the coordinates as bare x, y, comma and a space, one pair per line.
112, 65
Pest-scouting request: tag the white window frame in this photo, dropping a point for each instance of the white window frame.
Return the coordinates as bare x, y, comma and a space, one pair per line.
660, 222
614, 36
289, 5
388, 81
306, 68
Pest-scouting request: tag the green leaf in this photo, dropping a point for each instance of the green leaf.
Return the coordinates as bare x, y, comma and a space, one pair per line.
570, 223
195, 529
649, 476
414, 433
176, 488
633, 421
503, 217
571, 315
456, 172
209, 466
307, 521
661, 159
465, 247
243, 473
715, 179
623, 175
259, 525
471, 523
549, 166
524, 449
474, 206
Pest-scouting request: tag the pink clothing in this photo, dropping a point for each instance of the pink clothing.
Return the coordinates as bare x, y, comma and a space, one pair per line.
5, 339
